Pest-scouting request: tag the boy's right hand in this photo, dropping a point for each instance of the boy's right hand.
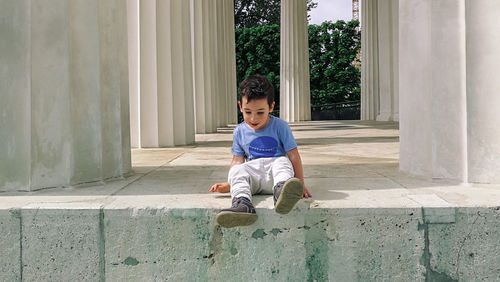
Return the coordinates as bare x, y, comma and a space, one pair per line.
220, 187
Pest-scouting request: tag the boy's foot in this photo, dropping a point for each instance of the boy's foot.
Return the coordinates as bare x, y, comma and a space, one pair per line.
287, 194
241, 213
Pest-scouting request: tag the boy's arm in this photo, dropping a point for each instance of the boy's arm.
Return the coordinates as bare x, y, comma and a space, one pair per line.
224, 187
237, 160
296, 161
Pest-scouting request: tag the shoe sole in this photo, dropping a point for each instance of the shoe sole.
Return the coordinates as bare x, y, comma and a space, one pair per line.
233, 219
291, 193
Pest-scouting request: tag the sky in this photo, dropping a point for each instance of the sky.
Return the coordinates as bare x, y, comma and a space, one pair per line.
331, 10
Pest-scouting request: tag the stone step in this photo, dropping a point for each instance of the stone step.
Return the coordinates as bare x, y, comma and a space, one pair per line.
175, 237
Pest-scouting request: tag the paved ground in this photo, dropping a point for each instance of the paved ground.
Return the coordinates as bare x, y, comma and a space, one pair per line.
348, 164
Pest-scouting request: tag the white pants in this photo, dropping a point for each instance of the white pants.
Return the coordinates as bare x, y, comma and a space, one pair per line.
259, 176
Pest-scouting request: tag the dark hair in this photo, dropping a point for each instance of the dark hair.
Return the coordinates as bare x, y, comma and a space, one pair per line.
257, 87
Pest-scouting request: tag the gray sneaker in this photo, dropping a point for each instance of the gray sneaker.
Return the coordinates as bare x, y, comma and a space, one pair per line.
241, 213
287, 194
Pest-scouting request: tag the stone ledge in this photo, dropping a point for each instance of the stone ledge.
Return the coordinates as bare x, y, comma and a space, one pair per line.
348, 244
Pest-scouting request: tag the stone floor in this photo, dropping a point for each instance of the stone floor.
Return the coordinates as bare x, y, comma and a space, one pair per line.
347, 164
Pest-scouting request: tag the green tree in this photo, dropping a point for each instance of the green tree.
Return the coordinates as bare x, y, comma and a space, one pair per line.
252, 13
333, 48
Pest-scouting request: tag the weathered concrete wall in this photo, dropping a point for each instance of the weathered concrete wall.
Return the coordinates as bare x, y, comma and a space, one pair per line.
60, 245
468, 249
10, 245
411, 244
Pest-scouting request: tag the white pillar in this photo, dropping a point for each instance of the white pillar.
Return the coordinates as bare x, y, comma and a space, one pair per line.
50, 89
449, 121
212, 62
432, 89
15, 93
388, 60
134, 65
204, 64
220, 48
303, 48
114, 86
379, 62
294, 62
64, 122
175, 80
226, 64
166, 81
148, 75
483, 86
85, 80
231, 94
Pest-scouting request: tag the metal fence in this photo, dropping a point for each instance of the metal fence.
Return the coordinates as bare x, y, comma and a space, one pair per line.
337, 111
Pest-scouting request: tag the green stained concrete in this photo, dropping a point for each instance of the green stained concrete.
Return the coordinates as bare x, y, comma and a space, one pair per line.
365, 222
234, 251
259, 234
317, 248
131, 261
276, 231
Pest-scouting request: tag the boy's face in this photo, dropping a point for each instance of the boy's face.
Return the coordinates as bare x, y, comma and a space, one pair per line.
256, 112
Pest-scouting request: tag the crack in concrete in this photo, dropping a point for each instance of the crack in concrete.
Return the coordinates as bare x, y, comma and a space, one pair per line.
142, 176
215, 244
102, 245
17, 214
390, 179
463, 242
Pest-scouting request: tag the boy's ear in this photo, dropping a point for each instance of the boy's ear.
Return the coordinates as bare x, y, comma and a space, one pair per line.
272, 107
239, 105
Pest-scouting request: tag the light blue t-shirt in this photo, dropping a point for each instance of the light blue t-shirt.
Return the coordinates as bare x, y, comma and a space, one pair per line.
274, 140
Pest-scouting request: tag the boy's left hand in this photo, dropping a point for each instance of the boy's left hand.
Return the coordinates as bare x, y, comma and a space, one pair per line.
306, 194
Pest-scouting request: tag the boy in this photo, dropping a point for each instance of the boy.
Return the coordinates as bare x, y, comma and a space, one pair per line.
265, 158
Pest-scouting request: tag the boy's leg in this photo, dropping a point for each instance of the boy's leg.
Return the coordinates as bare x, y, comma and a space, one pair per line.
244, 179
243, 185
282, 170
287, 190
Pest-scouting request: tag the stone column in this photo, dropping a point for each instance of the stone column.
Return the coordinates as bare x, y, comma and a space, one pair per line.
449, 102
166, 103
214, 64
220, 65
175, 80
231, 94
369, 61
63, 117
483, 86
114, 85
226, 64
294, 62
204, 66
15, 93
133, 60
148, 75
379, 66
